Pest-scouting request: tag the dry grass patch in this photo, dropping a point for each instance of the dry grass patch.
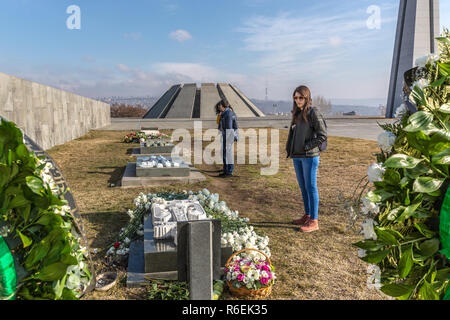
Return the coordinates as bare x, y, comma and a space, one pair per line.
320, 265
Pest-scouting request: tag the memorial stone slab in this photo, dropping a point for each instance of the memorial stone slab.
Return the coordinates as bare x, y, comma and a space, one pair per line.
156, 147
200, 260
160, 166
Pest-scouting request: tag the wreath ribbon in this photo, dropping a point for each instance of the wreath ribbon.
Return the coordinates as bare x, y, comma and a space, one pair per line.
444, 230
8, 279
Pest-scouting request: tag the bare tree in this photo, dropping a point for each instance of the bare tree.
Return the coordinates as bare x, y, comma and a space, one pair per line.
323, 104
125, 111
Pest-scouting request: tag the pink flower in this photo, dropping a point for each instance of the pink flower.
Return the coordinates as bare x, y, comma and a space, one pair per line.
258, 266
226, 270
237, 268
266, 268
270, 275
264, 280
248, 264
240, 277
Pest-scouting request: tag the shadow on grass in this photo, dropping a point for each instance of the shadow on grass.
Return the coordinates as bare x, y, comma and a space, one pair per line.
273, 224
115, 175
107, 226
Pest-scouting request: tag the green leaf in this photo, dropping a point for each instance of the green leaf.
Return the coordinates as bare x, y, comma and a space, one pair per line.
18, 201
439, 82
405, 264
408, 211
68, 295
444, 40
443, 274
52, 272
394, 213
69, 259
401, 161
444, 67
35, 184
397, 290
426, 292
419, 121
445, 108
423, 229
441, 136
418, 140
440, 141
429, 247
385, 236
59, 286
442, 158
375, 257
419, 96
5, 172
418, 171
37, 253
25, 240
427, 184
392, 177
369, 245
26, 213
22, 152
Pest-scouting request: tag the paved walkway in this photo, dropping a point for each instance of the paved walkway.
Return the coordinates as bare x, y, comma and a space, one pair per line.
352, 127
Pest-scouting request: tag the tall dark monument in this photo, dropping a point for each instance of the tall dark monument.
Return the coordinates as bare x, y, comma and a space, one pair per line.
417, 28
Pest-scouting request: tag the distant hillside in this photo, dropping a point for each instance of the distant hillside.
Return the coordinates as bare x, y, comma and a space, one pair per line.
268, 106
146, 102
336, 109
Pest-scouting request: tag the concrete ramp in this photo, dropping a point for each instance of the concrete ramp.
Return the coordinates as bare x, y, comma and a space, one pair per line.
163, 103
183, 106
208, 100
239, 107
247, 101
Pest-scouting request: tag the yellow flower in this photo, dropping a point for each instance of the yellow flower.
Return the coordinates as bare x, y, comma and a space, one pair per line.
245, 269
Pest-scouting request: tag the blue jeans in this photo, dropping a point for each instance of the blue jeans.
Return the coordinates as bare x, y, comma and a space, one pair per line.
306, 171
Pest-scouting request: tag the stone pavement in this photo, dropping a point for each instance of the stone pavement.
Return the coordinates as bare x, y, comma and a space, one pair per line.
351, 127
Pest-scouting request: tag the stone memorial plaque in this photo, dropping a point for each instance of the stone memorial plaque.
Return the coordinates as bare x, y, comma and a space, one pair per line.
160, 166
156, 146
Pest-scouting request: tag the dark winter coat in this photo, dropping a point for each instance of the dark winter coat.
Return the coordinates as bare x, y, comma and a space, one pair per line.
305, 137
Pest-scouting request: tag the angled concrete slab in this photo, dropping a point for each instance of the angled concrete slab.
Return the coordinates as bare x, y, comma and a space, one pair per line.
183, 106
208, 100
235, 101
163, 103
247, 101
129, 178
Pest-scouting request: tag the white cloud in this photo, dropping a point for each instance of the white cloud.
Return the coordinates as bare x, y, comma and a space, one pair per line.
189, 71
314, 50
180, 35
335, 41
123, 67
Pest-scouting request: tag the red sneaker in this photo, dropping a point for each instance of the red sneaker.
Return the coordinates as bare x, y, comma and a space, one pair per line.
301, 221
310, 226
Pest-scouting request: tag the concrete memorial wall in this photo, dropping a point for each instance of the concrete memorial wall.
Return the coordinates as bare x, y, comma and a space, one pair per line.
47, 115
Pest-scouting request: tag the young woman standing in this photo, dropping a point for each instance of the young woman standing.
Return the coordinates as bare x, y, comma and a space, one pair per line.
307, 133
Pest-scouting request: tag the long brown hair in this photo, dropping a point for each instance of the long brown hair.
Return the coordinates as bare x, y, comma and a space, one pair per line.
296, 112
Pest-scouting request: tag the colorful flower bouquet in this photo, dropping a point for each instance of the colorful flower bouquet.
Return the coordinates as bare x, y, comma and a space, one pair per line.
250, 276
134, 137
158, 136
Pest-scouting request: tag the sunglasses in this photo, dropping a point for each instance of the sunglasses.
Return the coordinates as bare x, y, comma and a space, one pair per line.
299, 98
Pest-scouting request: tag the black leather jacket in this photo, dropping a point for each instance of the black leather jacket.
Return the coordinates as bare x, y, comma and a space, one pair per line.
305, 137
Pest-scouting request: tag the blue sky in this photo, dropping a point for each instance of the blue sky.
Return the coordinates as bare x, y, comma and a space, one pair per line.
143, 47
